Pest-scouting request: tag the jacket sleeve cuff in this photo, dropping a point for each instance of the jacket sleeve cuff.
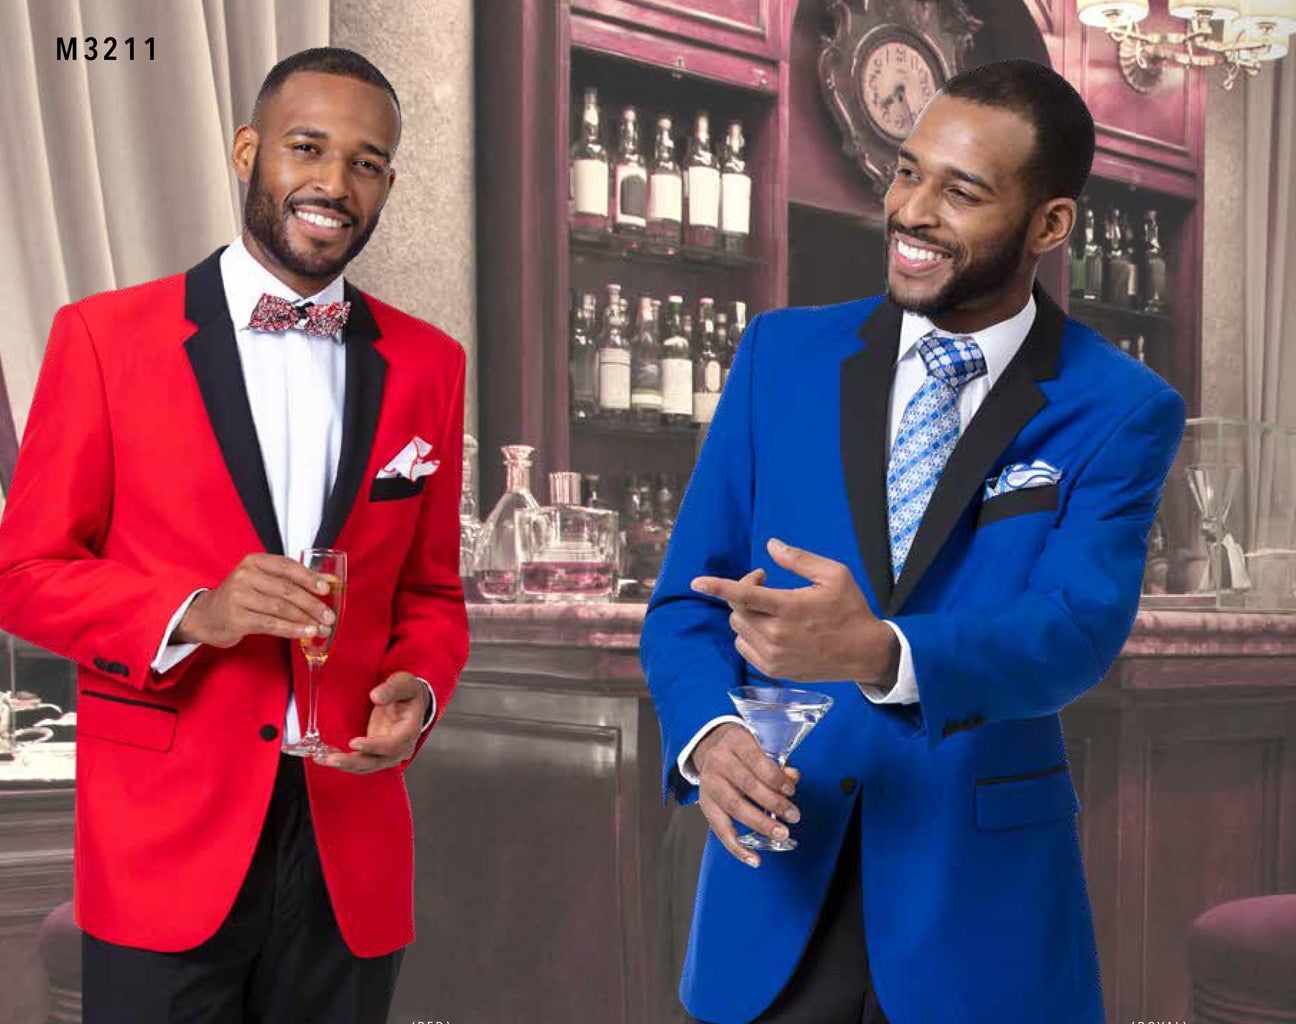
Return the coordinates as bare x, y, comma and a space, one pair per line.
905, 689
685, 761
169, 654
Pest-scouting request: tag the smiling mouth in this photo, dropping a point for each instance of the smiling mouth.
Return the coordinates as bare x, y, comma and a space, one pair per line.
914, 258
322, 221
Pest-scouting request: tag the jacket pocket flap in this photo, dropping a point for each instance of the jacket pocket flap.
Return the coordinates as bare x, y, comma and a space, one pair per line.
1019, 502
135, 722
1013, 801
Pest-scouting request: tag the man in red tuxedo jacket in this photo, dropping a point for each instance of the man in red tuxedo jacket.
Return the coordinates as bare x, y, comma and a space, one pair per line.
188, 437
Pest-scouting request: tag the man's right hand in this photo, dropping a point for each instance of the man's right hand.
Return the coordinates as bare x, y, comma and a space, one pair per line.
265, 594
738, 780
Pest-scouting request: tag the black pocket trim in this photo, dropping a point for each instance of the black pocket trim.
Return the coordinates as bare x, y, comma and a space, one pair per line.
393, 488
1037, 774
128, 700
1017, 503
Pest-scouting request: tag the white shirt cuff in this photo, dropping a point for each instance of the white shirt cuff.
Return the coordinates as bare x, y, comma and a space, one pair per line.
685, 763
170, 655
905, 690
430, 714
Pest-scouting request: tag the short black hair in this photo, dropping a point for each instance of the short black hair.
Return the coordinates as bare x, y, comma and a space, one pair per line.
1064, 128
328, 60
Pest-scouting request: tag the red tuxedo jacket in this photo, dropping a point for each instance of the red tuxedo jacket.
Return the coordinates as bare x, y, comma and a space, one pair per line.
139, 480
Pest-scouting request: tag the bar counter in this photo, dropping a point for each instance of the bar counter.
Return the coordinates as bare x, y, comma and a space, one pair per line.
554, 884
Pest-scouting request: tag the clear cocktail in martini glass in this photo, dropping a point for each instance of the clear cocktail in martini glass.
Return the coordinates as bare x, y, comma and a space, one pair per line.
779, 717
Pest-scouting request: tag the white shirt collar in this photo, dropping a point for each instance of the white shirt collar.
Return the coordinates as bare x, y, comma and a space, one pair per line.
246, 280
998, 342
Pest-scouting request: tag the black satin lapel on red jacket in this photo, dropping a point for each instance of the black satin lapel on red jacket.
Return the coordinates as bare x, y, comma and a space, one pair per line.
213, 353
366, 373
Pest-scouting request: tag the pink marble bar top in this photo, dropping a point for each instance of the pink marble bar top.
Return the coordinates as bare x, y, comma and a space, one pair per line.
1157, 633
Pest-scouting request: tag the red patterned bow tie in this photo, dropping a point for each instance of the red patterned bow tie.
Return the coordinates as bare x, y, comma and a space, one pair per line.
275, 314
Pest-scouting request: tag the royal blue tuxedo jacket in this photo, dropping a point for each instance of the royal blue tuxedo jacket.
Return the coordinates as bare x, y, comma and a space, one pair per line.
975, 906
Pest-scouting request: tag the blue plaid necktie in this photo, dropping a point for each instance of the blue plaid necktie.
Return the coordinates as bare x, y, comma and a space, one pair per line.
929, 429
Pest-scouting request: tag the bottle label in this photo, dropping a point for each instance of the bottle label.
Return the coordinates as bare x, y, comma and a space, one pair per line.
590, 180
666, 197
632, 196
614, 378
677, 387
712, 377
704, 197
704, 407
735, 207
646, 384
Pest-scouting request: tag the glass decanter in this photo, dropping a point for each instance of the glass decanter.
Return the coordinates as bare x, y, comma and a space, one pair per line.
496, 567
470, 526
567, 552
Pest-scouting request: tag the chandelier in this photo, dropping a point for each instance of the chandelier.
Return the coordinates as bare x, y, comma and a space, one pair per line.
1251, 32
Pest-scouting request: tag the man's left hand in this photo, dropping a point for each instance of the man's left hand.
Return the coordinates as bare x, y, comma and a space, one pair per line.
394, 727
819, 633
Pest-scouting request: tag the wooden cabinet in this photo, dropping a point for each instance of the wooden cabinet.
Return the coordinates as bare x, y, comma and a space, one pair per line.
747, 26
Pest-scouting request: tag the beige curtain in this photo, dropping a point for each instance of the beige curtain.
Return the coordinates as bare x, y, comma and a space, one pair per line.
118, 172
1269, 275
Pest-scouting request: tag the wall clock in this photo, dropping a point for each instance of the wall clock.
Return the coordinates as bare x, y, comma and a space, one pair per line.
883, 62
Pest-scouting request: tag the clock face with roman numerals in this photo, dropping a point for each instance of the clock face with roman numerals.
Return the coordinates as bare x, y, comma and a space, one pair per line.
899, 78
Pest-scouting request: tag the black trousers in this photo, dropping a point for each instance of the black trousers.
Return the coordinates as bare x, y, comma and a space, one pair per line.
831, 984
278, 958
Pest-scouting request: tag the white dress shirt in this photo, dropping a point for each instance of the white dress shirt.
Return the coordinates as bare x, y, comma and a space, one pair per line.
296, 386
999, 343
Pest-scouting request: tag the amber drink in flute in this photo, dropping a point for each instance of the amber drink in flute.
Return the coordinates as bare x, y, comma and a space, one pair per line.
332, 565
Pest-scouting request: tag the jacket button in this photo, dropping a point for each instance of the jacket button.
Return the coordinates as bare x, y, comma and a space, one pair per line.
269, 732
848, 785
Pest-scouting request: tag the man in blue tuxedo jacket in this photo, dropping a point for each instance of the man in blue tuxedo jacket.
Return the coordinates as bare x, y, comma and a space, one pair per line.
935, 508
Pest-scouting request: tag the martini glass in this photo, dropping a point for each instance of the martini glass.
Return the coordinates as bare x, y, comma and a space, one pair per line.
780, 717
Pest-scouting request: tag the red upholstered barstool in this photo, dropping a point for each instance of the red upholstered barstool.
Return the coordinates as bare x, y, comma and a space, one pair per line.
59, 942
1242, 957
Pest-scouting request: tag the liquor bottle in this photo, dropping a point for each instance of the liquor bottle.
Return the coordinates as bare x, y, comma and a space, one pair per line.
707, 378
1133, 255
646, 368
567, 552
614, 360
629, 586
497, 575
665, 188
735, 192
701, 188
583, 358
1077, 287
592, 497
470, 526
589, 171
631, 211
1140, 349
1117, 266
648, 539
677, 365
723, 346
1155, 293
1093, 258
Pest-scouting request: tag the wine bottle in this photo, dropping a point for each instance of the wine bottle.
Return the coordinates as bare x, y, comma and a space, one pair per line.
614, 360
735, 192
702, 188
677, 365
631, 212
583, 358
1155, 296
707, 378
589, 171
646, 368
665, 188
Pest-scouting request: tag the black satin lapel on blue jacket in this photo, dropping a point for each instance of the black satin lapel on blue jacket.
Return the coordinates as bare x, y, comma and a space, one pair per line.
213, 353
865, 406
1009, 406
366, 372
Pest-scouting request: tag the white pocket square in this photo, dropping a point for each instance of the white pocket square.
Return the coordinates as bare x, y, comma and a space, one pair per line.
414, 461
1021, 475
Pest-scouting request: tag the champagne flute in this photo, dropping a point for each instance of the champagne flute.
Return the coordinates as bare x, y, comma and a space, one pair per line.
332, 565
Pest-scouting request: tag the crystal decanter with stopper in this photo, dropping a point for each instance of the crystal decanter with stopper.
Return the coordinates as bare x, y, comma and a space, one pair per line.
497, 561
567, 552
